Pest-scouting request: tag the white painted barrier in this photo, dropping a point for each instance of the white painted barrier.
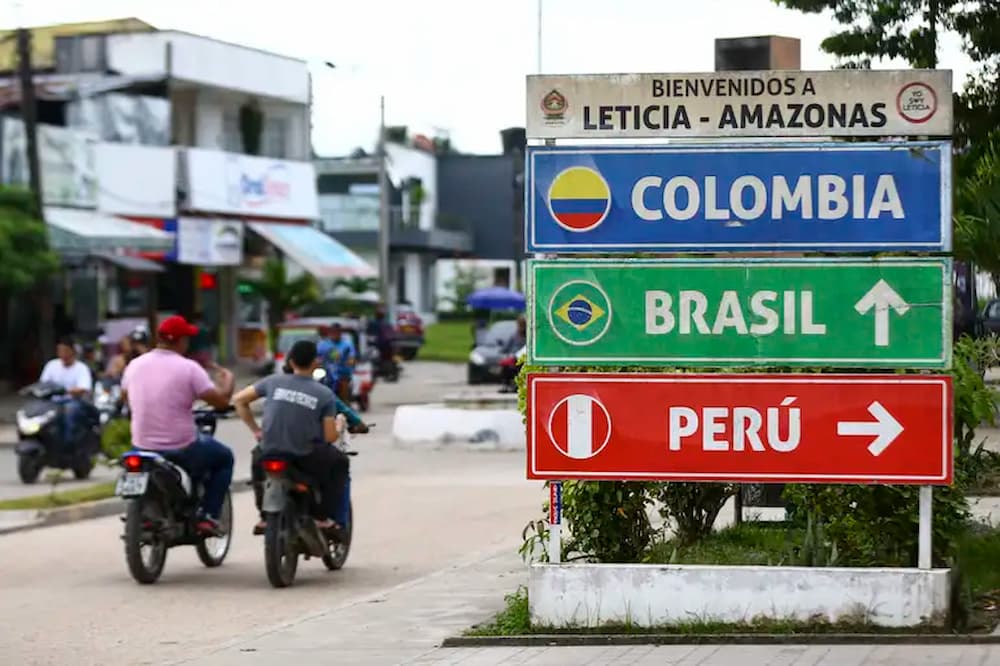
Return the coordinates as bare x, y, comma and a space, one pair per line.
649, 595
437, 426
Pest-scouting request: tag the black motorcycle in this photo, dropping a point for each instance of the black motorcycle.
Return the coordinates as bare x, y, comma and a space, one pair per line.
289, 496
162, 509
42, 437
388, 369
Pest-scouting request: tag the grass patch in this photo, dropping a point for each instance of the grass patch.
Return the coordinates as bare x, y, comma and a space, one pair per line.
777, 544
449, 341
93, 493
770, 544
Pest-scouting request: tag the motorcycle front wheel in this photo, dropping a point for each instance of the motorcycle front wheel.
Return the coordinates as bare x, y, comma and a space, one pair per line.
28, 468
280, 558
145, 551
212, 551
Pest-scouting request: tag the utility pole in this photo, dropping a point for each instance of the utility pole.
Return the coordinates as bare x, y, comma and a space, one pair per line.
383, 210
539, 69
28, 111
43, 300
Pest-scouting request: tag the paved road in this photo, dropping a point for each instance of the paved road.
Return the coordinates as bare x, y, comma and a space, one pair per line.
66, 597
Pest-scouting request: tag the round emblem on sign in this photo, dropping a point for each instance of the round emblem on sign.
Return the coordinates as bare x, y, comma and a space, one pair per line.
579, 313
580, 426
916, 102
579, 199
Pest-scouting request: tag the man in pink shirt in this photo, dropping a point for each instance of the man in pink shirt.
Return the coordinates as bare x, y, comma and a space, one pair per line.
161, 387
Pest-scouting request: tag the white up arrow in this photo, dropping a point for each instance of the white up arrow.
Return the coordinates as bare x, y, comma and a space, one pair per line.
882, 297
885, 429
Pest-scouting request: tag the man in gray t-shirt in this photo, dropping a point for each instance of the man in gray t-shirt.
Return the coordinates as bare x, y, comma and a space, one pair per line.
299, 422
294, 413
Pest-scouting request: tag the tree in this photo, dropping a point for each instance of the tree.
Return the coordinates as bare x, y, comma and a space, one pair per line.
977, 210
25, 257
283, 295
465, 282
910, 29
357, 285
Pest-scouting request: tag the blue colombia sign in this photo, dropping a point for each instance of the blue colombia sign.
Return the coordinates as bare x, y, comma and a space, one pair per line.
829, 197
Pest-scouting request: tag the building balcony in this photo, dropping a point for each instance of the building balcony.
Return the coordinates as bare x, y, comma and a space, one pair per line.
355, 222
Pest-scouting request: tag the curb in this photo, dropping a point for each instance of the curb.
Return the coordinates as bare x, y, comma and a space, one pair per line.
89, 511
577, 640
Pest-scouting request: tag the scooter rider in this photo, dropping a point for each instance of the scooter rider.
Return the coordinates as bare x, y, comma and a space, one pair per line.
73, 375
160, 387
300, 422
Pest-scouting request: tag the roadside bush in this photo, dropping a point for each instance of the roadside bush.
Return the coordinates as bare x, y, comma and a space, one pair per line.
607, 519
692, 507
116, 439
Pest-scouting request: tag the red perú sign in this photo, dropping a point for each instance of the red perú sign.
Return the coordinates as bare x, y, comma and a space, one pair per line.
742, 428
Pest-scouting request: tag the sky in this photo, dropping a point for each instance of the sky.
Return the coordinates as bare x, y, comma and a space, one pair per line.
459, 65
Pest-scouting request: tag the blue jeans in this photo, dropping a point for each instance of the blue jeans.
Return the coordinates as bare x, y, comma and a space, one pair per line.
210, 461
76, 414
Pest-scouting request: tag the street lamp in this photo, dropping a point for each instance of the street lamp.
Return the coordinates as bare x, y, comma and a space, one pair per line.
383, 202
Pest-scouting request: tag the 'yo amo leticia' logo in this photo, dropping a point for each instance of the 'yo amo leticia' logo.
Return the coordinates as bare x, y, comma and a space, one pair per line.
271, 186
916, 102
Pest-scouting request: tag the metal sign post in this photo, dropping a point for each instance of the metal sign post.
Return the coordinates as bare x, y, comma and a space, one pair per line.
555, 522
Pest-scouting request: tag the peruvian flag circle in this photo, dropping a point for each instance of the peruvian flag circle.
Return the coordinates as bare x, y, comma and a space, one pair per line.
579, 426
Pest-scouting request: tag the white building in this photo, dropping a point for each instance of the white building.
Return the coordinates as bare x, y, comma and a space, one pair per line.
181, 135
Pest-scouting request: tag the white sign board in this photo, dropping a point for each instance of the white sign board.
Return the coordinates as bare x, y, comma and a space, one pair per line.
741, 104
206, 242
136, 180
220, 182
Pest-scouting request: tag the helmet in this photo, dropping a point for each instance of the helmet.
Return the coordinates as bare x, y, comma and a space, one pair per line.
140, 335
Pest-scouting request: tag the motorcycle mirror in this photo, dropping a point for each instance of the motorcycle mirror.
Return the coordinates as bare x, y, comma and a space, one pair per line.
319, 374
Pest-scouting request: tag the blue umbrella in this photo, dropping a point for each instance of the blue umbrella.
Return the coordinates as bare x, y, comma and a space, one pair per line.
496, 298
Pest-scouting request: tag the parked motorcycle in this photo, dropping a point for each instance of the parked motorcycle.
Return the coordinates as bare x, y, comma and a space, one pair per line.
42, 437
290, 531
162, 509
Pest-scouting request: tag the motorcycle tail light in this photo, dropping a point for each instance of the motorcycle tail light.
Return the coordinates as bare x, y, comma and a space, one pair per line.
275, 466
132, 463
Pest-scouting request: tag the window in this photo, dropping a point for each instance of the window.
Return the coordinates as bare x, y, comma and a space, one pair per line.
275, 140
81, 53
232, 141
501, 277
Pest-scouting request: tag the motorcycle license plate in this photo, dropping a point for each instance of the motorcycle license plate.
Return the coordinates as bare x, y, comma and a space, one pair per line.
132, 484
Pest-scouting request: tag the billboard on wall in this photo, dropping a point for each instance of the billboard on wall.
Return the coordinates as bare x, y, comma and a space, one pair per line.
136, 180
67, 159
219, 182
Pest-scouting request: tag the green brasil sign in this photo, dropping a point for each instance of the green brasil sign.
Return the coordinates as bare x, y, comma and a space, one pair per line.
854, 313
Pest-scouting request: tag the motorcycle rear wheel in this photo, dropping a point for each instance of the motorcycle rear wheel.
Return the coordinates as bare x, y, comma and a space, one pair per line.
280, 558
337, 556
83, 466
144, 570
212, 551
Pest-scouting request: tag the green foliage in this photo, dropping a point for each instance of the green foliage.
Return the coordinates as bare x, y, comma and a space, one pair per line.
357, 285
692, 507
116, 438
910, 30
975, 402
465, 282
283, 295
607, 519
977, 209
24, 247
514, 619
448, 341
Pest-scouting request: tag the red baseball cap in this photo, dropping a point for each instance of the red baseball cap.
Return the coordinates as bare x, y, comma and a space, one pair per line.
175, 327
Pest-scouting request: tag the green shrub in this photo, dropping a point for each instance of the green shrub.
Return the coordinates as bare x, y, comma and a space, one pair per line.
117, 438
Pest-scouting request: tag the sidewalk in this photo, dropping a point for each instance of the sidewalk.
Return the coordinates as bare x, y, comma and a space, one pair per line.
400, 625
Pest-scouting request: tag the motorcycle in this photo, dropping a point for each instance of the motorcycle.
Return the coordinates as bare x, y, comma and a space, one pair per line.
108, 400
42, 440
389, 368
162, 509
290, 529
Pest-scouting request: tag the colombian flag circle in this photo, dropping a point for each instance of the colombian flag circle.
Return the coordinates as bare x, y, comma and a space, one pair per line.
579, 199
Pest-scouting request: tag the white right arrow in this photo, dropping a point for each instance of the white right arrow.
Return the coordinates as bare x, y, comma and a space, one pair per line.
885, 428
882, 297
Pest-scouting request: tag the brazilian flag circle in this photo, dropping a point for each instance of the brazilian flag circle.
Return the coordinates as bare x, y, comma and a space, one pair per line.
579, 312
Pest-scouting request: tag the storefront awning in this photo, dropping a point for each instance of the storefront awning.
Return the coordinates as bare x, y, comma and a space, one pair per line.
316, 252
73, 230
129, 262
